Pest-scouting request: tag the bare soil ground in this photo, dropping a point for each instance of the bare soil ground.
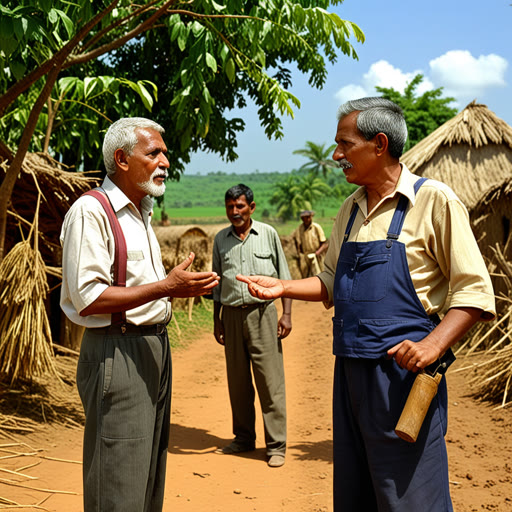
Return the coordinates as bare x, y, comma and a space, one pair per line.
199, 480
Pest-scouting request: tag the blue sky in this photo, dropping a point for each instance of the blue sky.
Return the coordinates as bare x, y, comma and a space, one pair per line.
463, 46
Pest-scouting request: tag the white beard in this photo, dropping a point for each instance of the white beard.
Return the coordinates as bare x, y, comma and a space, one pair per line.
149, 186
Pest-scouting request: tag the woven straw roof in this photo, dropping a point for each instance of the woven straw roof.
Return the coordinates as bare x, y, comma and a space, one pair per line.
60, 189
499, 192
470, 153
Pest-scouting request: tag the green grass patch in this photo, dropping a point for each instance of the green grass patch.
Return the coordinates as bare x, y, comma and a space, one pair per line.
182, 331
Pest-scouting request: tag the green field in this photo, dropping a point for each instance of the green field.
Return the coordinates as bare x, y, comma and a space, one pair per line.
198, 199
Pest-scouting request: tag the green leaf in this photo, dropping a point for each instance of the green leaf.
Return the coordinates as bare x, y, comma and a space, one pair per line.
145, 96
6, 27
197, 29
217, 6
67, 22
182, 38
89, 86
20, 27
53, 16
46, 5
211, 62
230, 70
18, 69
66, 83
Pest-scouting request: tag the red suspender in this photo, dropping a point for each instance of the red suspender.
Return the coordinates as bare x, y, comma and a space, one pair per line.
120, 255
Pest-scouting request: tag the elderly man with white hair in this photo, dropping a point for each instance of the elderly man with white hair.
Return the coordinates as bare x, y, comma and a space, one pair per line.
114, 284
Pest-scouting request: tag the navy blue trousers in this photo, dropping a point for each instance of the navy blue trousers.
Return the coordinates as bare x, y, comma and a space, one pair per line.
375, 470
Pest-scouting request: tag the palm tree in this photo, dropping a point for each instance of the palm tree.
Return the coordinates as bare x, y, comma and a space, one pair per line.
319, 156
296, 194
312, 188
286, 199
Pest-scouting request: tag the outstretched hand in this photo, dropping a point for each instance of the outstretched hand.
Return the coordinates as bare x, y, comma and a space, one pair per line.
263, 287
182, 283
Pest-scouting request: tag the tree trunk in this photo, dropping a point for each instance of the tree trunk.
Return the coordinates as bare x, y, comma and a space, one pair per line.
14, 169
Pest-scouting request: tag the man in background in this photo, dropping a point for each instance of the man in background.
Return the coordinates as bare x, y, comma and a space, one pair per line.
248, 327
311, 244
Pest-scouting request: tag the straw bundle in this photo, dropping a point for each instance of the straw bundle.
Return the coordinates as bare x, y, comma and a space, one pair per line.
493, 376
25, 337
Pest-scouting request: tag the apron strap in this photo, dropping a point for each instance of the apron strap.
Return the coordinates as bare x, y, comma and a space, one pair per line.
351, 221
399, 216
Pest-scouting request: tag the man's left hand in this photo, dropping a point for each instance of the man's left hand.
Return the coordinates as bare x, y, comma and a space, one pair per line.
414, 356
284, 326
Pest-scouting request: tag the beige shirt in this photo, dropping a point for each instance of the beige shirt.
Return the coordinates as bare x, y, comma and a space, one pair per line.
442, 253
310, 239
88, 257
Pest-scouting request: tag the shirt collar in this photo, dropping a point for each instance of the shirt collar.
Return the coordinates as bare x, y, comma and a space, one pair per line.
405, 186
119, 200
254, 229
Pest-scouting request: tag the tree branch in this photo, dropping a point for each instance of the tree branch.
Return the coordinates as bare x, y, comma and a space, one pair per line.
12, 172
118, 23
145, 25
22, 85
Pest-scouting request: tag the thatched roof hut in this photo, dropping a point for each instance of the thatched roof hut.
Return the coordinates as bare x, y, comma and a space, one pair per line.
492, 216
470, 153
60, 189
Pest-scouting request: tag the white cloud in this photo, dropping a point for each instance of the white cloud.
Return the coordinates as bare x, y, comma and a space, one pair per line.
464, 76
382, 74
350, 92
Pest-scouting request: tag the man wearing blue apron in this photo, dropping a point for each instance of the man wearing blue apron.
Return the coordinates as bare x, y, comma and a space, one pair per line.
399, 245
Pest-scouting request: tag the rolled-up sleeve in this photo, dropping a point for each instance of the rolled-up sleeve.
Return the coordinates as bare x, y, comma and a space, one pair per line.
460, 260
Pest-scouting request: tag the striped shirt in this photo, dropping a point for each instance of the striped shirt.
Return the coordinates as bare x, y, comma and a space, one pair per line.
260, 253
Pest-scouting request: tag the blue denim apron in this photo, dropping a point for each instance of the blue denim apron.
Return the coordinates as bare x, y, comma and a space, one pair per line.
376, 307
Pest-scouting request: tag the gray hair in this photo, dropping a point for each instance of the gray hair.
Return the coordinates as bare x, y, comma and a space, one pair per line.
121, 135
379, 115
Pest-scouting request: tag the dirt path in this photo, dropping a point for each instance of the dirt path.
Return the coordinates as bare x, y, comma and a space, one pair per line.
198, 480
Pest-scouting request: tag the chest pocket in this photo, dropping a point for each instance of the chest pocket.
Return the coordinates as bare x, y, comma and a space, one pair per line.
371, 278
264, 265
135, 255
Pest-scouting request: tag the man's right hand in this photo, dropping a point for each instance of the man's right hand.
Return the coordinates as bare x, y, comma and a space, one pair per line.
182, 283
263, 287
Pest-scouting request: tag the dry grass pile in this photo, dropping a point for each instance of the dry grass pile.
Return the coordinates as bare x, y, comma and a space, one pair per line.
25, 337
492, 377
44, 400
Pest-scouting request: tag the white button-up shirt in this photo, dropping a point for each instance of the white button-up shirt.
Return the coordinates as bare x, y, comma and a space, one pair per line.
88, 257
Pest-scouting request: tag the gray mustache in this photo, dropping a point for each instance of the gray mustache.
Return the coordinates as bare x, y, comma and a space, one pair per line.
344, 164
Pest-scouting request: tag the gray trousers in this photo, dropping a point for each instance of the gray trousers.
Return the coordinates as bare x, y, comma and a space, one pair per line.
251, 341
124, 382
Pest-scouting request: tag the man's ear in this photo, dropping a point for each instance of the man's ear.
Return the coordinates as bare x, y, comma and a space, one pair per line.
381, 143
120, 159
252, 206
